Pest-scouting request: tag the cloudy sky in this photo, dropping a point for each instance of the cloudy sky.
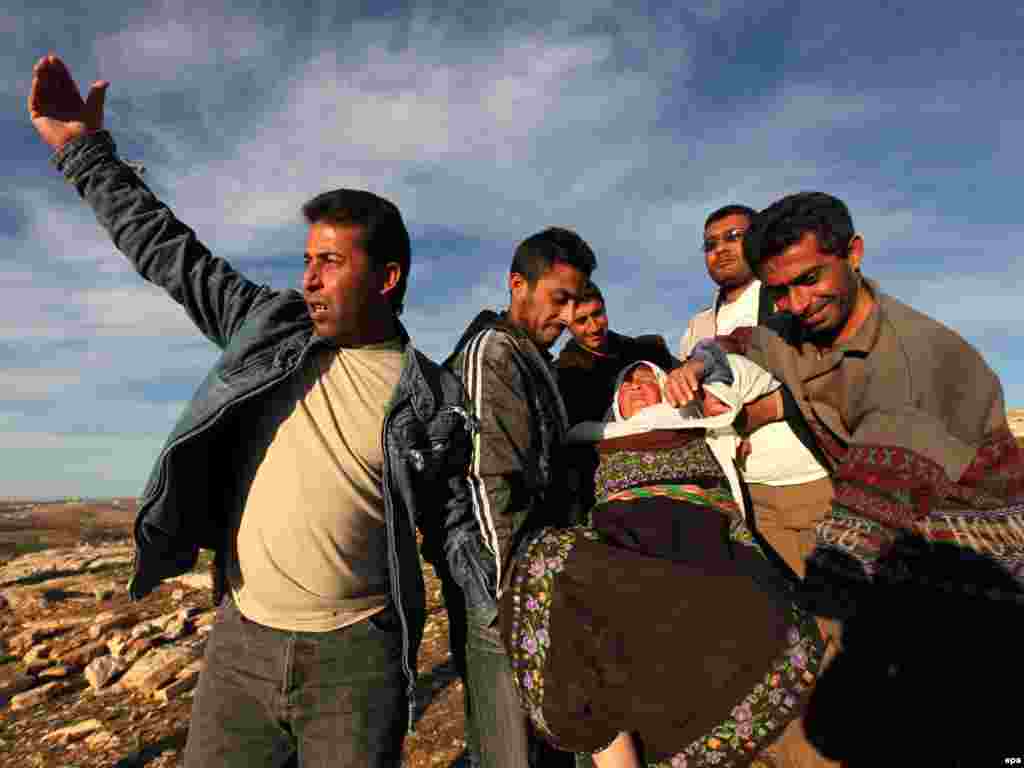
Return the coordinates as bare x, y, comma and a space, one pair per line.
628, 124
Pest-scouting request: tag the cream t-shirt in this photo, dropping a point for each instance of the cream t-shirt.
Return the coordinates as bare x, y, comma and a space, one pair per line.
311, 546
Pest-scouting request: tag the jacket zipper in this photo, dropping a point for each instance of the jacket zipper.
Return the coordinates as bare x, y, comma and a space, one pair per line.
393, 564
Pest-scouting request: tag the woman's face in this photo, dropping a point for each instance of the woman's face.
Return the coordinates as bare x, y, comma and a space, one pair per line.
639, 390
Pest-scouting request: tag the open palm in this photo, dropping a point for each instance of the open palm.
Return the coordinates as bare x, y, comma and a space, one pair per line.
58, 112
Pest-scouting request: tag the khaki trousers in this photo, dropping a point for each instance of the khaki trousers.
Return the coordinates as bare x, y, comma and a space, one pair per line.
786, 517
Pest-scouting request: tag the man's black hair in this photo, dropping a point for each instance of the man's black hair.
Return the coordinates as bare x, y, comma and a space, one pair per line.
733, 209
786, 221
385, 237
536, 254
590, 293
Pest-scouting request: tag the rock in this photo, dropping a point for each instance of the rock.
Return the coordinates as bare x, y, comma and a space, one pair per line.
23, 641
37, 652
15, 686
36, 696
83, 654
178, 595
117, 642
58, 671
101, 671
184, 681
37, 666
177, 629
4, 605
52, 627
136, 648
145, 629
74, 732
195, 580
103, 591
101, 740
155, 669
109, 620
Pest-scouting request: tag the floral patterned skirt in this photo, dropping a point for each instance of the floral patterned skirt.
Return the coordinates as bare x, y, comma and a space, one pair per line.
702, 662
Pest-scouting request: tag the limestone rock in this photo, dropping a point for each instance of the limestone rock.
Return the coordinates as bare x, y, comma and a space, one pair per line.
117, 642
37, 652
204, 619
101, 740
15, 686
101, 671
103, 591
23, 641
135, 649
145, 629
59, 671
110, 620
195, 580
36, 666
185, 680
156, 668
81, 655
74, 732
36, 696
177, 629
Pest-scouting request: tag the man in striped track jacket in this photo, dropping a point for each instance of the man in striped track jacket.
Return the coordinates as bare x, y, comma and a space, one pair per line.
516, 483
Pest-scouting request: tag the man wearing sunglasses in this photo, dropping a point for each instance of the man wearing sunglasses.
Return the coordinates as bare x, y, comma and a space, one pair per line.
739, 300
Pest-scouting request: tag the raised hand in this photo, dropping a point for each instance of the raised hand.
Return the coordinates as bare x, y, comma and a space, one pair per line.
58, 112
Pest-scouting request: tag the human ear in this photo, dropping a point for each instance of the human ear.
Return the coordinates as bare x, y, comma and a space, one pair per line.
392, 273
855, 252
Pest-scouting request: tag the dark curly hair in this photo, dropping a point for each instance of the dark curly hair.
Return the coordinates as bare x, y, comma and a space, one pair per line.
786, 221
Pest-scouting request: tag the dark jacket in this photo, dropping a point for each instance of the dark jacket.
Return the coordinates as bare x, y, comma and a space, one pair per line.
515, 476
587, 380
265, 335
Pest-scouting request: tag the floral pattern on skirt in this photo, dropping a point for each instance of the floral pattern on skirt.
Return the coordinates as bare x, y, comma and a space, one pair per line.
757, 720
531, 614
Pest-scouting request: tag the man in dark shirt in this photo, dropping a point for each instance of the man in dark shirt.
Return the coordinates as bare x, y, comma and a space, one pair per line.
595, 355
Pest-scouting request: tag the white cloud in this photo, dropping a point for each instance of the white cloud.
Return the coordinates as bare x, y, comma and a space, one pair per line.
181, 38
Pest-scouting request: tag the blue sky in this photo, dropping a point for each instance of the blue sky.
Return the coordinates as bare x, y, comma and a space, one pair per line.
627, 123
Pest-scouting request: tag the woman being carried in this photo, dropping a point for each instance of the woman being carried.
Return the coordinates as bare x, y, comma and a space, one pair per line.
661, 617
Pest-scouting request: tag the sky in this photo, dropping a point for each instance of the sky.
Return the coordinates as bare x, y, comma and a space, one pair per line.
626, 122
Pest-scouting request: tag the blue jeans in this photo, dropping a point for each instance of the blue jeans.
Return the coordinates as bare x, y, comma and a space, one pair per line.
499, 725
265, 695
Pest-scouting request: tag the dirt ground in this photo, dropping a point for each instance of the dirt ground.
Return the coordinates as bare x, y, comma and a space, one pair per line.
149, 733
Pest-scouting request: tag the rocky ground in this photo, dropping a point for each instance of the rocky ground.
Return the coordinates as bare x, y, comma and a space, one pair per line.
88, 678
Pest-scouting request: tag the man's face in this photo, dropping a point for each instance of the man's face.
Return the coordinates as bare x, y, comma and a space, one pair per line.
548, 306
818, 287
723, 251
343, 291
590, 326
639, 390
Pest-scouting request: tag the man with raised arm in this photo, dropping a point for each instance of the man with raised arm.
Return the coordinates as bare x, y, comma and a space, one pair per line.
303, 459
515, 475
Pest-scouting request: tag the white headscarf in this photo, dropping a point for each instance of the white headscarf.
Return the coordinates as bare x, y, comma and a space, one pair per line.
750, 381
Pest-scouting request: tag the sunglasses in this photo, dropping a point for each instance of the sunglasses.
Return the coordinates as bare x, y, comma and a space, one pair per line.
730, 236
